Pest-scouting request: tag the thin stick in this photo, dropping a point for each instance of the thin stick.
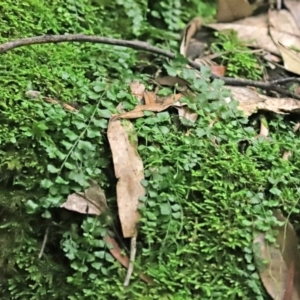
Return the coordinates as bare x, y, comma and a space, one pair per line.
44, 243
45, 39
138, 45
285, 80
268, 86
131, 261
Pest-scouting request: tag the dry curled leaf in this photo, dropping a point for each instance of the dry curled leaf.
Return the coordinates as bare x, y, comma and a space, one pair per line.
291, 59
116, 251
81, 205
95, 194
250, 101
218, 70
185, 112
150, 97
264, 128
92, 201
138, 111
253, 30
129, 170
171, 81
281, 261
265, 30
294, 7
283, 28
192, 27
230, 10
137, 89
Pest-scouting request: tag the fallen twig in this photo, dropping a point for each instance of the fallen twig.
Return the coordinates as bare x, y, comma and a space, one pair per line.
267, 86
44, 243
45, 39
116, 252
36, 94
270, 86
131, 261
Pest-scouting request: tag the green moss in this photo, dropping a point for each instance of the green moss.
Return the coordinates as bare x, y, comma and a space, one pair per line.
204, 195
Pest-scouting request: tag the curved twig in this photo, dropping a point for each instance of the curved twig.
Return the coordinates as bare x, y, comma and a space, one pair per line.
131, 262
138, 45
267, 86
45, 39
44, 243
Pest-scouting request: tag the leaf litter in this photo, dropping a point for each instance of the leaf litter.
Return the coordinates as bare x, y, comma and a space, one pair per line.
93, 202
279, 263
129, 171
275, 32
129, 168
280, 272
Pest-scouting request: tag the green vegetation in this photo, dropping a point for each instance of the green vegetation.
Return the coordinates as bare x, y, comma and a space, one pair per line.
206, 194
238, 58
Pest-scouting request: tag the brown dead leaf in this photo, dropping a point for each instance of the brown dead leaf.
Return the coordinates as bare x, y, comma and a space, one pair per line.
271, 58
252, 30
250, 101
116, 251
92, 201
129, 171
283, 28
289, 282
291, 59
137, 89
192, 27
218, 70
64, 105
81, 205
95, 194
138, 111
255, 30
185, 112
280, 259
193, 49
287, 154
150, 97
264, 130
231, 10
294, 8
171, 81
283, 22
